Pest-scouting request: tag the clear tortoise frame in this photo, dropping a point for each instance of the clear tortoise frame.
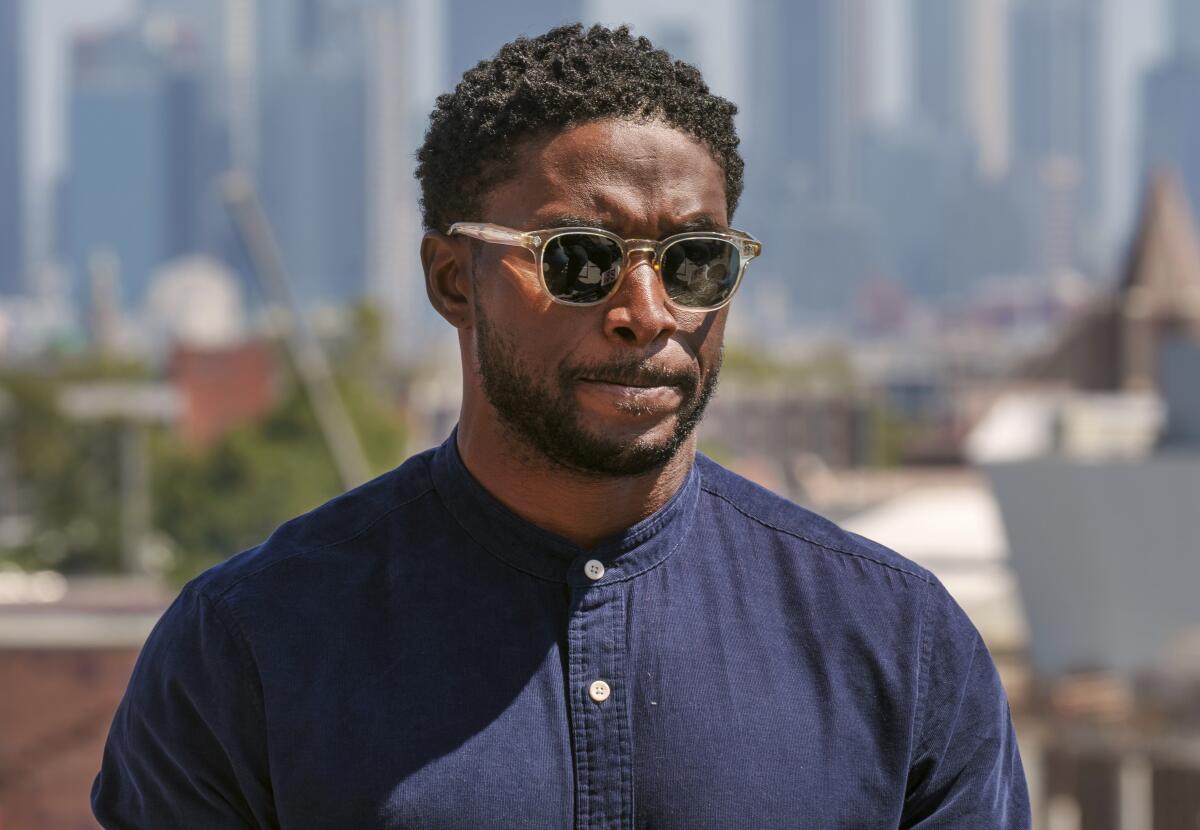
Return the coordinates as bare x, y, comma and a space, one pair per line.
700, 270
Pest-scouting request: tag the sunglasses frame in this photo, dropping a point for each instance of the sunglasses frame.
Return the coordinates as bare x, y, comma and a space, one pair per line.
536, 241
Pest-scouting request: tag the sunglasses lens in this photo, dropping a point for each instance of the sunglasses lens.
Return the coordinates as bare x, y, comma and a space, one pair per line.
700, 273
581, 267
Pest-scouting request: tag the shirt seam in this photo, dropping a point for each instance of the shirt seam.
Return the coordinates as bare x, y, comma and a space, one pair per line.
915, 740
225, 617
314, 548
962, 693
811, 541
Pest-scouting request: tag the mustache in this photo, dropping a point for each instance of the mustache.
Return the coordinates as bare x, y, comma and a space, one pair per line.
634, 373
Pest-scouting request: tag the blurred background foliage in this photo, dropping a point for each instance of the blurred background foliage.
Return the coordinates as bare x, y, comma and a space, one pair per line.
206, 502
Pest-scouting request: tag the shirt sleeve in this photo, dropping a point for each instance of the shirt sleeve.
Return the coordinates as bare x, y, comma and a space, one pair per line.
187, 746
965, 770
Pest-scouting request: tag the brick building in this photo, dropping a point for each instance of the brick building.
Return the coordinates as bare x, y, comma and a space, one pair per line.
66, 653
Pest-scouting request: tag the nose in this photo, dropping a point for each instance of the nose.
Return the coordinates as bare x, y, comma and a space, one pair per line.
637, 314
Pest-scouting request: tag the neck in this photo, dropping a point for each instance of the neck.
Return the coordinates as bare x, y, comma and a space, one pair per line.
576, 506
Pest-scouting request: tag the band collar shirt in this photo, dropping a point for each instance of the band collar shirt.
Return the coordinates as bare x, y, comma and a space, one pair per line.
414, 655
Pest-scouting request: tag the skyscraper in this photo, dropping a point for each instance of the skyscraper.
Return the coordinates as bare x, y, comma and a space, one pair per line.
1057, 123
313, 174
205, 22
478, 28
139, 154
395, 279
12, 226
1170, 118
941, 76
1056, 79
988, 93
1185, 26
808, 67
808, 80
1171, 121
960, 75
315, 67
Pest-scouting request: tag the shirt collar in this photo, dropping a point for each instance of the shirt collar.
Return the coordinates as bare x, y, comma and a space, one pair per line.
527, 547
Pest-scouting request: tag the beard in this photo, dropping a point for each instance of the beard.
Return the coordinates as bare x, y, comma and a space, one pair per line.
545, 415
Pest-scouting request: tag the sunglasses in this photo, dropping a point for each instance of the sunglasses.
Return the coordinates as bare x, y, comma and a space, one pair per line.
700, 270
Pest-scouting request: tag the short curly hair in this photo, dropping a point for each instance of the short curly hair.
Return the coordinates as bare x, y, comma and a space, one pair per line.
566, 77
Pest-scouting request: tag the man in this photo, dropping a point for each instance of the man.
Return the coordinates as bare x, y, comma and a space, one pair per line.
564, 616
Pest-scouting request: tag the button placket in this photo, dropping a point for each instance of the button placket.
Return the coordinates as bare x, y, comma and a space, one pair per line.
603, 752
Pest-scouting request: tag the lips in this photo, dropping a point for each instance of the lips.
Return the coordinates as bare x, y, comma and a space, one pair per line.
635, 383
630, 397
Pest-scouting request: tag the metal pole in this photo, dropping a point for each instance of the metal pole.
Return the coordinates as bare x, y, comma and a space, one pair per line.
135, 496
305, 351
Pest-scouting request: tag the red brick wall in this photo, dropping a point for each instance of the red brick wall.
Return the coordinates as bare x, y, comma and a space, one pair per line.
55, 709
224, 388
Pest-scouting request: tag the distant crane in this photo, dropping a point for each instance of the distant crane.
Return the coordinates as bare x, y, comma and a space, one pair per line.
307, 357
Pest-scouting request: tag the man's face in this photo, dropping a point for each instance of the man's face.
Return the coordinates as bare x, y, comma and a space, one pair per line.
614, 389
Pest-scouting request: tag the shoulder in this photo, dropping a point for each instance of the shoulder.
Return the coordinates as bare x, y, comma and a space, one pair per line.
847, 576
776, 515
350, 517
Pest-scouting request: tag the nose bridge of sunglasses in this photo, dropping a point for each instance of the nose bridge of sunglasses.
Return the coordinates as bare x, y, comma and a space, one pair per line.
641, 246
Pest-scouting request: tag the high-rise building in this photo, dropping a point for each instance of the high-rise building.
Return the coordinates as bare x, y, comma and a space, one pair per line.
241, 67
808, 70
960, 75
988, 91
1170, 120
807, 106
395, 279
1057, 122
478, 28
940, 77
1056, 74
12, 226
139, 154
313, 175
287, 33
315, 75
204, 21
679, 39
1185, 26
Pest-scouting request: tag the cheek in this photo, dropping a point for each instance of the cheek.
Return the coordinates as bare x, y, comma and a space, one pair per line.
518, 311
509, 286
537, 331
705, 339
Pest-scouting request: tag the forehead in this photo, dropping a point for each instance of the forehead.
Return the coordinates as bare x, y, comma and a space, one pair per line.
636, 178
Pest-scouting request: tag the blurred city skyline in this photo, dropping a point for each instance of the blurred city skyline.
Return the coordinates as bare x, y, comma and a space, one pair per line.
932, 147
51, 24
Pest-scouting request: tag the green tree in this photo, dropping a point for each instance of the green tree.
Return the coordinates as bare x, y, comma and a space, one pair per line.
207, 503
213, 502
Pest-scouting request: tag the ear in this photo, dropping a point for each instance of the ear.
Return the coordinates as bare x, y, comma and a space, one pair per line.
447, 280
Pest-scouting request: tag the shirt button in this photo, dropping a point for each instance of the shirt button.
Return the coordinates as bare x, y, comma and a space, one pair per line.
594, 569
599, 691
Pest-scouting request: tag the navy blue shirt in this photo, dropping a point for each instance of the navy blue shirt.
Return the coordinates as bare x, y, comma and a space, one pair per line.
414, 655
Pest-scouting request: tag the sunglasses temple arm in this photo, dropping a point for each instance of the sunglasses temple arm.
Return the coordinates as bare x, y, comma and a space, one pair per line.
496, 234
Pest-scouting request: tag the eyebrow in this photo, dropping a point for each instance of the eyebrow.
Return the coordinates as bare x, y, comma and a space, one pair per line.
564, 220
700, 223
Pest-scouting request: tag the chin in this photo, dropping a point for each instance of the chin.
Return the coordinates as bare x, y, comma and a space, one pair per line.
637, 429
